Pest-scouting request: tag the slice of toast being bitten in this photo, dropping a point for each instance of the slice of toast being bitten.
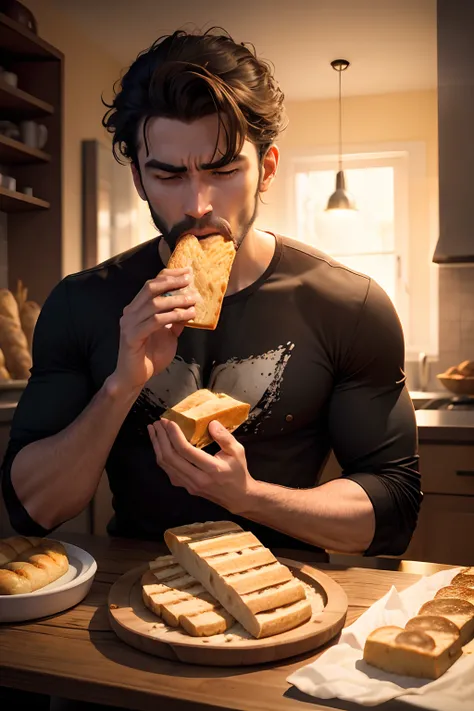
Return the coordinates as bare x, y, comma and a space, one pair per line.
244, 576
211, 259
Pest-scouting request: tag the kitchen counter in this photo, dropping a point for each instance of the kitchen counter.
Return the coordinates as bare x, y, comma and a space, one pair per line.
445, 426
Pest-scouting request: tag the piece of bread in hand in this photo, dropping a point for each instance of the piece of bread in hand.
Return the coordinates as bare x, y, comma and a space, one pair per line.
180, 600
244, 576
195, 412
211, 259
34, 567
423, 650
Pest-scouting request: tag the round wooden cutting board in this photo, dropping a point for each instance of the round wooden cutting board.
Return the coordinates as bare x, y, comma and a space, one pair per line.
136, 625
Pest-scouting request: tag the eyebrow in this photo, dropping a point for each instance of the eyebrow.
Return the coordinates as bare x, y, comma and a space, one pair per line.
154, 164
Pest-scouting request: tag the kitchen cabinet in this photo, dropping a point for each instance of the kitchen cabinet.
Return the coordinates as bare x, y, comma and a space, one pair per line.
455, 122
445, 529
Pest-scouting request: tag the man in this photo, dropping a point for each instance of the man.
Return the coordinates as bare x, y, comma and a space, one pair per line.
315, 348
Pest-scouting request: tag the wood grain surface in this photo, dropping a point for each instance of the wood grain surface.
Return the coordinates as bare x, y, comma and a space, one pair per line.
76, 655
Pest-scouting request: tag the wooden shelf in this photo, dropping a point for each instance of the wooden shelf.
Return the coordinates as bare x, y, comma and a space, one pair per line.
12, 201
19, 41
18, 104
15, 152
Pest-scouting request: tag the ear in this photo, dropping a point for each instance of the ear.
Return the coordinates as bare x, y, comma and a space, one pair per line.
137, 181
269, 168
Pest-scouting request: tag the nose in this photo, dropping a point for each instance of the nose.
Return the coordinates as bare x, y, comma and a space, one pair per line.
198, 200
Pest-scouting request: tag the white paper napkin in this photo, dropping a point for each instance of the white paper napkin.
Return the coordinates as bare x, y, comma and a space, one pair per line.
342, 673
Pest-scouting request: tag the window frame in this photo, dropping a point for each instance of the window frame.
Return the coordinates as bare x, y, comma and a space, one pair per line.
409, 162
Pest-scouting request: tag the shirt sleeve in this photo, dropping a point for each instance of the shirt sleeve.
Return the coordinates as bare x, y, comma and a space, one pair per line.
59, 388
372, 423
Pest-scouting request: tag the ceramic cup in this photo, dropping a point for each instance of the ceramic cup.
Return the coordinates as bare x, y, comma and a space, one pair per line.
33, 134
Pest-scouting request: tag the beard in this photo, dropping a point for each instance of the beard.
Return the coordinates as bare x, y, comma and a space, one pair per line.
171, 235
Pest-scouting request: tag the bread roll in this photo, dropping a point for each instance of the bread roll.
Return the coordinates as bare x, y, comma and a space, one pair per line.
456, 591
413, 651
263, 596
4, 374
432, 640
459, 611
33, 568
465, 580
11, 548
211, 259
9, 306
15, 348
466, 368
194, 413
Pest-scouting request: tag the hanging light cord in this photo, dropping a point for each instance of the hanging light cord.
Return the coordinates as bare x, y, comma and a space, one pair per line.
340, 120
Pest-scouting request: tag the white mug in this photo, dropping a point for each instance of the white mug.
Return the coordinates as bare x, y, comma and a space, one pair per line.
33, 134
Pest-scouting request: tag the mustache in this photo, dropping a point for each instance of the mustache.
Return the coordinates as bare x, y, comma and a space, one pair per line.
204, 223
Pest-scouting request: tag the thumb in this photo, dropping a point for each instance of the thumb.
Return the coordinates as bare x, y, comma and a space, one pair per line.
223, 437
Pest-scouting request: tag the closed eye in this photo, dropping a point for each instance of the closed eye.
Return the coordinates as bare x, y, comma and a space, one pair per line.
225, 172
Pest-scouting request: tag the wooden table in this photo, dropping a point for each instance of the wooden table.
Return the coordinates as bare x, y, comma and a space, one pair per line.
76, 655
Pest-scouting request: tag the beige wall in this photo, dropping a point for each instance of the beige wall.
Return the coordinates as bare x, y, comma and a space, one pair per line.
370, 123
89, 72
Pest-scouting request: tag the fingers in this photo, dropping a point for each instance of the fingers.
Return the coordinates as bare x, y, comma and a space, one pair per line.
180, 471
172, 474
158, 312
180, 448
224, 438
168, 280
175, 319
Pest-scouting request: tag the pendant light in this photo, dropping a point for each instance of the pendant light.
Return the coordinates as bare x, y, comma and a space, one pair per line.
340, 199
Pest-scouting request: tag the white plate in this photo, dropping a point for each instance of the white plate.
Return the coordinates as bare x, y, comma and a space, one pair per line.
66, 591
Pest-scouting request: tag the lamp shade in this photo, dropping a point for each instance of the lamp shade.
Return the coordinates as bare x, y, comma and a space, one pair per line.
340, 199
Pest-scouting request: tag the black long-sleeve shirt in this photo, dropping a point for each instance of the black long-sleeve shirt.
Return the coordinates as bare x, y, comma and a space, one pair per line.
314, 347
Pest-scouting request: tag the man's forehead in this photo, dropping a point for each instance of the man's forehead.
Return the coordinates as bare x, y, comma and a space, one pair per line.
174, 141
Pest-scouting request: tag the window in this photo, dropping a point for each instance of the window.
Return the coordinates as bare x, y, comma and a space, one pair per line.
375, 239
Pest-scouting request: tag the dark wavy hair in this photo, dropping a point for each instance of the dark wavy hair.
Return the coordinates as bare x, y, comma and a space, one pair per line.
188, 76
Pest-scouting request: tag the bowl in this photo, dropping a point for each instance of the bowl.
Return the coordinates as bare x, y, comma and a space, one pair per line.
458, 384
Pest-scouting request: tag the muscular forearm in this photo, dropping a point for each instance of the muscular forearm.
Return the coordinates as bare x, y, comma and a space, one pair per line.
336, 516
55, 478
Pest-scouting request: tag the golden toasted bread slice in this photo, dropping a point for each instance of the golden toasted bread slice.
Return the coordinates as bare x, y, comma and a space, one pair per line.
423, 653
211, 259
255, 596
459, 611
195, 412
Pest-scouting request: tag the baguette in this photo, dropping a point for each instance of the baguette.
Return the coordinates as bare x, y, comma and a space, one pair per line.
29, 312
4, 374
259, 592
195, 412
14, 345
211, 259
179, 599
432, 641
37, 564
8, 306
